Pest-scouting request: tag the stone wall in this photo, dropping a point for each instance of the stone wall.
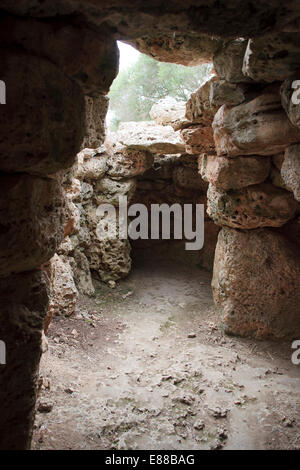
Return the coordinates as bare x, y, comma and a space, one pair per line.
58, 59
243, 128
253, 176
131, 164
49, 91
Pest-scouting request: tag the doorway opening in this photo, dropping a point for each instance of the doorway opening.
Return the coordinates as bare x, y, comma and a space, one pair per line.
142, 362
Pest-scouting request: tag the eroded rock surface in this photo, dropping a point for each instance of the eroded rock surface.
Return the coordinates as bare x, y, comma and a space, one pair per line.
169, 111
198, 139
272, 58
199, 108
147, 135
290, 99
32, 219
24, 301
46, 140
290, 170
64, 294
91, 165
230, 94
95, 113
124, 162
180, 49
255, 283
228, 61
255, 206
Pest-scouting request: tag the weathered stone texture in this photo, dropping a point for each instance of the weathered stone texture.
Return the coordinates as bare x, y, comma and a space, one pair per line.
124, 162
290, 99
259, 127
42, 123
179, 49
290, 170
169, 112
198, 139
228, 61
233, 173
91, 165
256, 283
64, 294
230, 94
161, 20
24, 301
199, 108
87, 57
261, 205
32, 221
147, 135
95, 113
107, 190
273, 57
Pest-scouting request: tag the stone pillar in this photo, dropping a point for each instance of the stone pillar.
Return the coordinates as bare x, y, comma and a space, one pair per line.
42, 126
23, 305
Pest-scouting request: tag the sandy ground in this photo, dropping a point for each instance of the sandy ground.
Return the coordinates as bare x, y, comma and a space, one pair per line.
145, 366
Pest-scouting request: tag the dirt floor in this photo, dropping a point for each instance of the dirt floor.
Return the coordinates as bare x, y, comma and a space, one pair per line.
144, 365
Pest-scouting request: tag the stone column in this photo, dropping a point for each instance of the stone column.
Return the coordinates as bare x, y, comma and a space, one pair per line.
48, 68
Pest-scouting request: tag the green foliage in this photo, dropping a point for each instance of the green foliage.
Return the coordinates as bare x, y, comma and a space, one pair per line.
138, 87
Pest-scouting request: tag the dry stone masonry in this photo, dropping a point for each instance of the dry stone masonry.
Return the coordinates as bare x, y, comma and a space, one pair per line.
58, 60
131, 164
254, 184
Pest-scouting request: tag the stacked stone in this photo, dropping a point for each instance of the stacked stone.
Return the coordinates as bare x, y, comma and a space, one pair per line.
174, 179
133, 163
254, 180
42, 129
100, 176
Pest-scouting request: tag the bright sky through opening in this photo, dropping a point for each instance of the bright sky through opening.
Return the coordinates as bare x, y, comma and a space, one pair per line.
128, 55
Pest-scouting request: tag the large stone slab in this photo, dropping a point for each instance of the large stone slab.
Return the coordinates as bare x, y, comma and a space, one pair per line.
95, 113
185, 21
63, 292
256, 283
180, 49
199, 108
228, 61
42, 122
261, 205
272, 58
31, 220
290, 170
108, 258
93, 66
147, 135
81, 272
258, 127
198, 139
24, 301
233, 173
